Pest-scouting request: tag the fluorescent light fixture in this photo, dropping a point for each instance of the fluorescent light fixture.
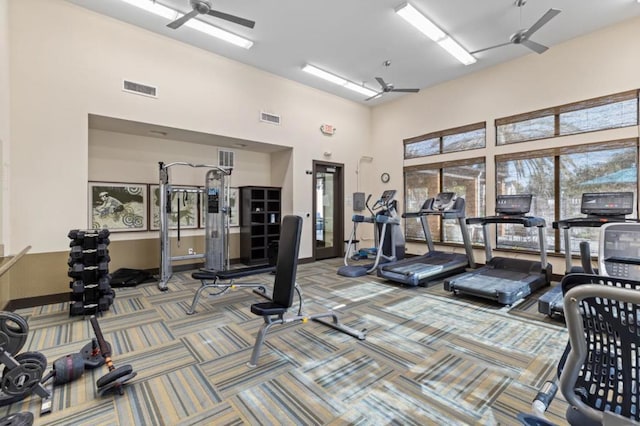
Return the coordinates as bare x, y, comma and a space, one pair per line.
457, 51
153, 7
431, 30
171, 14
218, 33
339, 80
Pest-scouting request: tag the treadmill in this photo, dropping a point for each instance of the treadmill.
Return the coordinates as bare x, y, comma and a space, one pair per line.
427, 269
600, 208
505, 280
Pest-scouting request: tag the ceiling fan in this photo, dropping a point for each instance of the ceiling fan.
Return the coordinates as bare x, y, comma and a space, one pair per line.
522, 36
387, 87
203, 7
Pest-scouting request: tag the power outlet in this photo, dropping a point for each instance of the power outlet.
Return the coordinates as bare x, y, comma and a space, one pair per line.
191, 251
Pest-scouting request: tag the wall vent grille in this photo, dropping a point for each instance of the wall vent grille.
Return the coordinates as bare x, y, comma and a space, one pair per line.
266, 117
139, 89
226, 158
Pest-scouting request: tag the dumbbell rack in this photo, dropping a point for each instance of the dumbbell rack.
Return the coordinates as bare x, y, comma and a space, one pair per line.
91, 290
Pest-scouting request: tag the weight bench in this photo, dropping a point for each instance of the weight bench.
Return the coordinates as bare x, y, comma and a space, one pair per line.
210, 279
273, 312
600, 369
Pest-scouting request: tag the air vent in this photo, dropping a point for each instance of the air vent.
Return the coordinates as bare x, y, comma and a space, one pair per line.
266, 117
139, 89
226, 158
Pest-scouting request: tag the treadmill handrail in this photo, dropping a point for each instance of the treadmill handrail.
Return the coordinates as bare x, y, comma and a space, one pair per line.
589, 221
527, 221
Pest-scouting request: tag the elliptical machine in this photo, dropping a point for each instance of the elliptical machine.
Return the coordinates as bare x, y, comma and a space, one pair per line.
388, 238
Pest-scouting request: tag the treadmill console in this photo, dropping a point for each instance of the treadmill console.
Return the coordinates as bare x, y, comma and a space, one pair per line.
513, 205
607, 203
444, 201
619, 252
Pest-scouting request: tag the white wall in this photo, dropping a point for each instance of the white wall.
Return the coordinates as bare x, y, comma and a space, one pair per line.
4, 118
68, 62
601, 63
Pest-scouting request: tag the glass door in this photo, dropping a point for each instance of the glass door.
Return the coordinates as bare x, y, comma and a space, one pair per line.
328, 226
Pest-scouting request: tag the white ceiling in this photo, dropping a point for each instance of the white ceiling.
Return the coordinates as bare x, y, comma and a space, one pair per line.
352, 38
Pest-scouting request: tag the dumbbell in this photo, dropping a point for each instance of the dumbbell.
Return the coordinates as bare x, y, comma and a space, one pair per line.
116, 377
76, 234
80, 308
72, 366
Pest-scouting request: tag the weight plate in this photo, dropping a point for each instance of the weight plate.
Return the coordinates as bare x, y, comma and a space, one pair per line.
21, 381
30, 356
13, 332
114, 375
23, 418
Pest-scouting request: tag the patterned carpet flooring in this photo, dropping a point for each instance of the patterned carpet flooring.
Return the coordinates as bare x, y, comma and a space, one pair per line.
430, 358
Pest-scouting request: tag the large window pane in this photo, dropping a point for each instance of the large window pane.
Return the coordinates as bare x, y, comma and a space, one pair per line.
422, 148
468, 182
619, 114
527, 176
535, 128
613, 170
419, 186
463, 141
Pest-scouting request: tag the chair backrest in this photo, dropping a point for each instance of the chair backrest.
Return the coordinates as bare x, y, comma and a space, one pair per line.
602, 368
288, 249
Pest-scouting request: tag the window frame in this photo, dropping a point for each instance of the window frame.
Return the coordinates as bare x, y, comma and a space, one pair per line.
438, 238
557, 111
440, 135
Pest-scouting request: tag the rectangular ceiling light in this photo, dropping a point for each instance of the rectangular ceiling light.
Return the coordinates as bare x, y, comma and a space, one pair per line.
339, 80
431, 30
171, 14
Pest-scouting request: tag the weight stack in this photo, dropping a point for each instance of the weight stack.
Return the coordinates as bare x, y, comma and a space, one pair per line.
88, 263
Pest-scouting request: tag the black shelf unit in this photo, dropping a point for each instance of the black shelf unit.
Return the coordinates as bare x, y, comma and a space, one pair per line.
260, 216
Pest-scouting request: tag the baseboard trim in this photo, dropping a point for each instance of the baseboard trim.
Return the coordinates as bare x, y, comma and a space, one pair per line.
30, 302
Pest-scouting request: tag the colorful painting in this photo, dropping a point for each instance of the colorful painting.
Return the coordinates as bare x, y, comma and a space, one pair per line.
119, 207
184, 204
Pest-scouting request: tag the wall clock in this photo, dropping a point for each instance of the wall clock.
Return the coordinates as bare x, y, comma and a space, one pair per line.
385, 177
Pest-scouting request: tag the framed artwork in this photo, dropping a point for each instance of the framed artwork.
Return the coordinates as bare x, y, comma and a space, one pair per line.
234, 211
184, 204
119, 207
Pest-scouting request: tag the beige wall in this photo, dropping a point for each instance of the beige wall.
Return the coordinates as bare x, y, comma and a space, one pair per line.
598, 64
77, 70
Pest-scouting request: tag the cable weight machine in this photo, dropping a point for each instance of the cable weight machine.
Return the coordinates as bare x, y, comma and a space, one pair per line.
216, 208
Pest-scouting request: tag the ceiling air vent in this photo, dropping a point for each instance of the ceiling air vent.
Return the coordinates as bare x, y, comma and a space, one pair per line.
266, 117
139, 89
226, 158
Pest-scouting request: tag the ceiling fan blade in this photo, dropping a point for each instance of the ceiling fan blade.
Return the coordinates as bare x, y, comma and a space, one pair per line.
382, 83
543, 20
374, 96
536, 47
181, 20
406, 90
489, 48
232, 18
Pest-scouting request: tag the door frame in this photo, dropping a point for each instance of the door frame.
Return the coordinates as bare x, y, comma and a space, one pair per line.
338, 208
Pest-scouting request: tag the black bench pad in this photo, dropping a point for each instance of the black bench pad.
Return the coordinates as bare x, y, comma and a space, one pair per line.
233, 273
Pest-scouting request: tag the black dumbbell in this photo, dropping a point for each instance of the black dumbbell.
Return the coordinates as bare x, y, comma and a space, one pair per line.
70, 367
116, 377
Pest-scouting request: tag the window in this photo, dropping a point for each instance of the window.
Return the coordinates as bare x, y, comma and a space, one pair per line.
557, 178
466, 178
607, 112
463, 138
527, 176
